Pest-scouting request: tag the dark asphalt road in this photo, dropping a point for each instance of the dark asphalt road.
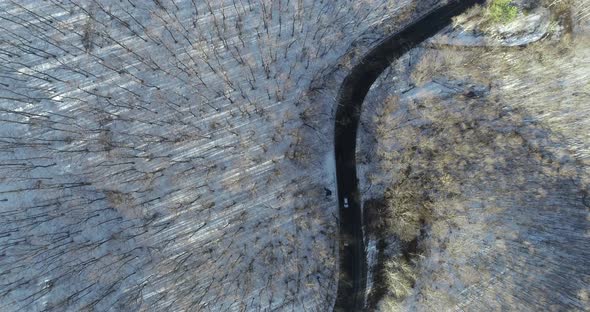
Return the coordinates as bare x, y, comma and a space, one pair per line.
353, 266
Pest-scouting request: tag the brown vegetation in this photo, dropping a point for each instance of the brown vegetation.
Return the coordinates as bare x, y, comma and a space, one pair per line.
487, 161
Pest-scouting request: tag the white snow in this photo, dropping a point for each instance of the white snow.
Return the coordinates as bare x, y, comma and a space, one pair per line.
166, 164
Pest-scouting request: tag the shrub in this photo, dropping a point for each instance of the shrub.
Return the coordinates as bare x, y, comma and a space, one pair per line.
502, 11
400, 277
405, 209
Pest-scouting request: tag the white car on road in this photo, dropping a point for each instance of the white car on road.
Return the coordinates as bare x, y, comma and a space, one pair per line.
345, 202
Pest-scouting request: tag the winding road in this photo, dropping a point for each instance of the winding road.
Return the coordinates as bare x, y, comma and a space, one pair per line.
353, 265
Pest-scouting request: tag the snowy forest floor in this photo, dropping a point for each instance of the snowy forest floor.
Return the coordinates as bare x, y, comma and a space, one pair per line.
172, 154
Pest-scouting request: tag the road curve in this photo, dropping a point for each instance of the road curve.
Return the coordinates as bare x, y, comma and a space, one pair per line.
353, 266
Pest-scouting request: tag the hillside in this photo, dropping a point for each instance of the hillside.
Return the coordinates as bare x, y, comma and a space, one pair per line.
178, 155
475, 157
156, 155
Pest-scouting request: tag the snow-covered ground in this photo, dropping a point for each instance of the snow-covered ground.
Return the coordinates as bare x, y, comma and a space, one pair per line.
171, 154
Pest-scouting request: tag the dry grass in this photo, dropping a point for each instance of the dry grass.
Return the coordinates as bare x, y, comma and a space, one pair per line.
492, 186
400, 277
457, 189
406, 209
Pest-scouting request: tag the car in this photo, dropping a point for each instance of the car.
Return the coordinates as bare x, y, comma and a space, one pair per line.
345, 202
